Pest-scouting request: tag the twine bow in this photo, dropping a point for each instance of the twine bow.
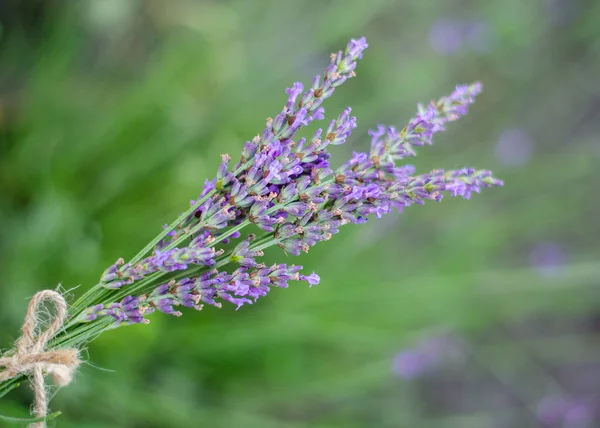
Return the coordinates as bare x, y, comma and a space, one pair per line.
29, 356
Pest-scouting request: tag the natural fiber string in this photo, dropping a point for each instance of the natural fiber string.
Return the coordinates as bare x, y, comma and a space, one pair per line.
29, 356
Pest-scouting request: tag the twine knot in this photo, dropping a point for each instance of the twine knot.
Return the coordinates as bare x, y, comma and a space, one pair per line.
29, 356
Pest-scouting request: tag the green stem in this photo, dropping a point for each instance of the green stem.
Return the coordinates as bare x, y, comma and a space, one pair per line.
9, 385
29, 420
171, 227
180, 220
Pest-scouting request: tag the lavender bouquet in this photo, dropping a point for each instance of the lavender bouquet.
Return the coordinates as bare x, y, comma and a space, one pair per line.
282, 186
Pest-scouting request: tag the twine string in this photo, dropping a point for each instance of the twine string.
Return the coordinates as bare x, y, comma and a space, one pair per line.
29, 356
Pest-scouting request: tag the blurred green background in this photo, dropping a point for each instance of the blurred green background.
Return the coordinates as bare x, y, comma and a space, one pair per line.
113, 112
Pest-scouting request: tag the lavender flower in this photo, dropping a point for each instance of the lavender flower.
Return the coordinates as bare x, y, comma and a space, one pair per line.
548, 258
445, 36
428, 354
130, 310
448, 36
286, 187
167, 261
568, 412
244, 285
514, 147
411, 364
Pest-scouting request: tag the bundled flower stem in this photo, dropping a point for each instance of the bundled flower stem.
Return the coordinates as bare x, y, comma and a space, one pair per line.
283, 187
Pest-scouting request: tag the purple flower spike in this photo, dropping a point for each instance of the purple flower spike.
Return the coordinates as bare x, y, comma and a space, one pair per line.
130, 310
340, 129
293, 93
409, 364
427, 355
356, 48
312, 279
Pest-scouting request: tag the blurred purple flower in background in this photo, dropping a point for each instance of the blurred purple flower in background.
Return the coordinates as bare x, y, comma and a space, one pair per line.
565, 412
427, 355
412, 363
579, 415
448, 36
551, 410
548, 258
445, 36
514, 147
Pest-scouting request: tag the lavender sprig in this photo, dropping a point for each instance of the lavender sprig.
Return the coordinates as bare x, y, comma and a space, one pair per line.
284, 186
287, 189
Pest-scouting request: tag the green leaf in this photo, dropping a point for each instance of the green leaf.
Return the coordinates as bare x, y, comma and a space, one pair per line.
10, 388
29, 420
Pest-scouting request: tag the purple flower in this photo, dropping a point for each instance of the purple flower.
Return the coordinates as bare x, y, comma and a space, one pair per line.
427, 355
410, 364
548, 258
356, 48
568, 412
293, 93
94, 312
243, 255
239, 287
551, 410
579, 415
445, 36
130, 310
449, 36
312, 279
258, 215
514, 147
339, 130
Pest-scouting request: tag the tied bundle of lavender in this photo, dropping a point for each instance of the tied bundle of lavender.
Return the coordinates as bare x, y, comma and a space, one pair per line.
282, 186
